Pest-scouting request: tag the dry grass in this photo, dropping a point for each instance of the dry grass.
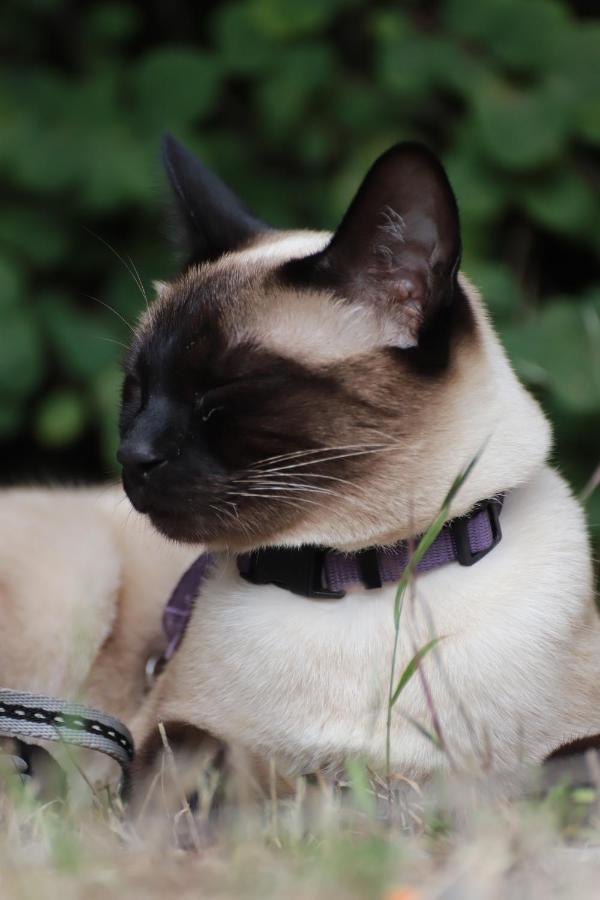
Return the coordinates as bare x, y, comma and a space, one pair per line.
323, 841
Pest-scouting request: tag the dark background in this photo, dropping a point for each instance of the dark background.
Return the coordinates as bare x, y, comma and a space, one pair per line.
290, 100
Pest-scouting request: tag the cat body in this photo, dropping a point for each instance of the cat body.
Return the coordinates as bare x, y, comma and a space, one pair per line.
307, 680
301, 388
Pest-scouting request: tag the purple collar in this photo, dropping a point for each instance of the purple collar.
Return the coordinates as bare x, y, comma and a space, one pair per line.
323, 574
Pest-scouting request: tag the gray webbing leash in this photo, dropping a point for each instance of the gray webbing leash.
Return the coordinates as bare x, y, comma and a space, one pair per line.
35, 716
24, 715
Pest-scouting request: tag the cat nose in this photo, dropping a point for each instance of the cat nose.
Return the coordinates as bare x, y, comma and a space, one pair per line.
140, 456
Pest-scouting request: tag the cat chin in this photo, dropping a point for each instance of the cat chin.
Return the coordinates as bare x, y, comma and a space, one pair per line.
180, 530
197, 531
212, 536
171, 524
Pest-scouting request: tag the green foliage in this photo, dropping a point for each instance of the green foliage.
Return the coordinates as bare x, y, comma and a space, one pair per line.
290, 102
60, 418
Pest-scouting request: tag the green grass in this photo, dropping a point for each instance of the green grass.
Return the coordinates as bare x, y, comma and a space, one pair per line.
324, 841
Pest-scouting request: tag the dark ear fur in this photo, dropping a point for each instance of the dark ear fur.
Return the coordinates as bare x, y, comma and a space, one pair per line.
210, 219
398, 245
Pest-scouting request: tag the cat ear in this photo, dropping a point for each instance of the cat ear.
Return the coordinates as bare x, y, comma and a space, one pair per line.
210, 220
398, 244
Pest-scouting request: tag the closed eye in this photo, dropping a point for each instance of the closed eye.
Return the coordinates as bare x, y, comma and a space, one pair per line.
230, 394
208, 404
206, 416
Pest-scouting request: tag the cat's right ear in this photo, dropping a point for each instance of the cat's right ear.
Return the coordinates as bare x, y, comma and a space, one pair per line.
397, 247
209, 219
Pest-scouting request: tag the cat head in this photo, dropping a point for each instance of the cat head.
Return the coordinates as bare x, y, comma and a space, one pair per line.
283, 388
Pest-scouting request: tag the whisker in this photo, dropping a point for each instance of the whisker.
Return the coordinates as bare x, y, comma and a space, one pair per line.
101, 337
295, 502
280, 499
362, 503
235, 509
235, 517
314, 475
313, 462
310, 475
310, 489
139, 281
296, 453
112, 310
136, 280
219, 513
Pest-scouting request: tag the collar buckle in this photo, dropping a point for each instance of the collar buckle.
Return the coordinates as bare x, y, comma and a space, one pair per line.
296, 569
459, 529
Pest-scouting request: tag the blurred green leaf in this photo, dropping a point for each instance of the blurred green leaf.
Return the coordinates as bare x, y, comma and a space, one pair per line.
242, 45
499, 288
60, 418
21, 353
284, 95
406, 59
11, 284
36, 145
562, 201
33, 236
118, 170
173, 86
109, 23
12, 415
84, 342
480, 190
520, 129
506, 28
560, 350
106, 393
287, 18
579, 73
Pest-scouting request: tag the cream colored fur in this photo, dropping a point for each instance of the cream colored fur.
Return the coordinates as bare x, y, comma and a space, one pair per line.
307, 680
83, 579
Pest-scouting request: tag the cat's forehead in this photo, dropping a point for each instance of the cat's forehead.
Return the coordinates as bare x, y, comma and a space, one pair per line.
242, 298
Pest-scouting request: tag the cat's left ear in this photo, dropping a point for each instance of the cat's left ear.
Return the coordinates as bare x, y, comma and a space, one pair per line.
210, 220
398, 245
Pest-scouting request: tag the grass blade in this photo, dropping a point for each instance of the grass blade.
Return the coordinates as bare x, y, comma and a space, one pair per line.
412, 667
428, 735
417, 555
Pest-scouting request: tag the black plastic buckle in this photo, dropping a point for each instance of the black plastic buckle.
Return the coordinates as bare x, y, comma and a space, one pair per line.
368, 566
296, 569
460, 534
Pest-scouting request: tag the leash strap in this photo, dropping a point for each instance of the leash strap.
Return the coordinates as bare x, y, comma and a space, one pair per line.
24, 715
179, 606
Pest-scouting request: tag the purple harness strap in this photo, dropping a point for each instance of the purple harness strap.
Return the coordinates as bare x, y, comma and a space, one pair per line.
179, 606
325, 574
464, 540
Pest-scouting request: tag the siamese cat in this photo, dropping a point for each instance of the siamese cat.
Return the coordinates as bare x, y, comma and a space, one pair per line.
294, 389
